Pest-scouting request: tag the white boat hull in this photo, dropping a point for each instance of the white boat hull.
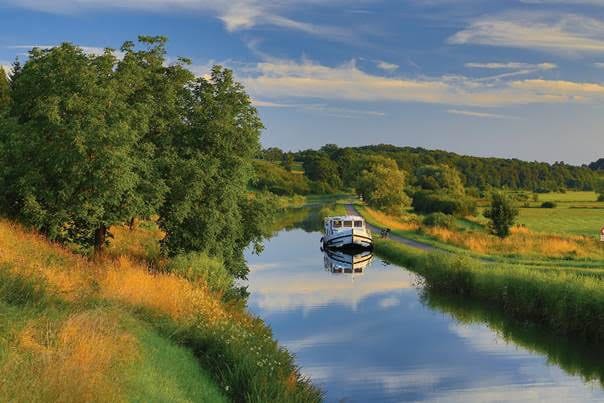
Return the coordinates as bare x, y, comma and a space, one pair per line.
348, 239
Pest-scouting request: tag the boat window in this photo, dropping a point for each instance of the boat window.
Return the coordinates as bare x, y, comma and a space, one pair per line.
348, 224
336, 224
358, 224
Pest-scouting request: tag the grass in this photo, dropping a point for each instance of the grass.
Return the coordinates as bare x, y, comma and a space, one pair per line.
573, 221
568, 197
523, 245
130, 327
565, 303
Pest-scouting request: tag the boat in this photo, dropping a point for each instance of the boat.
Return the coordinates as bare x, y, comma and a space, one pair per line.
338, 261
346, 232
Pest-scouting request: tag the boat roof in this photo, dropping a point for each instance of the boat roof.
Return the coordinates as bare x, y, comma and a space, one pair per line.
345, 218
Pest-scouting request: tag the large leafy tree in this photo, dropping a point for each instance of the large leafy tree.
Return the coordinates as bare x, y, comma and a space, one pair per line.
382, 185
207, 207
440, 178
73, 171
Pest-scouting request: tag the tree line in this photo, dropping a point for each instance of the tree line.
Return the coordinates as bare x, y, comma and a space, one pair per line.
480, 173
90, 141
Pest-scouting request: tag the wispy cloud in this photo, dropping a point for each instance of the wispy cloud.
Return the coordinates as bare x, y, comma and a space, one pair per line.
390, 67
476, 114
599, 65
554, 33
511, 66
285, 79
235, 14
91, 50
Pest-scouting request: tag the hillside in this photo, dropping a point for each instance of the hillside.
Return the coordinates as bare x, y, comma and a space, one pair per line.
75, 330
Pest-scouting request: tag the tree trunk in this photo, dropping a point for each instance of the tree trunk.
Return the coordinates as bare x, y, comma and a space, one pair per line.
99, 239
131, 224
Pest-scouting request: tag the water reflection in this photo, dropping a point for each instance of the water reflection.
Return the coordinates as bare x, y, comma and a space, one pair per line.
339, 261
376, 337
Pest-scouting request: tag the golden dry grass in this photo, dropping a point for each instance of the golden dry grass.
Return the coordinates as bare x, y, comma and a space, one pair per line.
128, 282
520, 242
394, 223
82, 359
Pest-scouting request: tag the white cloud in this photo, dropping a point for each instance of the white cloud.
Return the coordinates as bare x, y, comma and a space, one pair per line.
91, 50
511, 66
390, 67
554, 33
235, 14
286, 79
599, 65
479, 114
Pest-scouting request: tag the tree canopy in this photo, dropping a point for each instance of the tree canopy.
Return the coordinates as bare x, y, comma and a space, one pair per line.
382, 185
90, 141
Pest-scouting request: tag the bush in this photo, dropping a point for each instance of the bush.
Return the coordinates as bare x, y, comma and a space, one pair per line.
502, 214
548, 204
197, 266
426, 202
439, 220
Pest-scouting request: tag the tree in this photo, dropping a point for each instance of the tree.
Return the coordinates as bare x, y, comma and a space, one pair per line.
319, 168
502, 213
599, 188
440, 178
74, 166
4, 90
209, 164
382, 185
287, 161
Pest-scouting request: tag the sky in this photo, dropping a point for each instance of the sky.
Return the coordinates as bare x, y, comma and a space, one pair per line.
507, 78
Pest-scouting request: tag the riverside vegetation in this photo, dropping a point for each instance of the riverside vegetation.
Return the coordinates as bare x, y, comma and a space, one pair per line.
125, 196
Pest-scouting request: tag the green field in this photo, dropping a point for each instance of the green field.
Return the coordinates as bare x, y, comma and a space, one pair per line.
569, 197
576, 221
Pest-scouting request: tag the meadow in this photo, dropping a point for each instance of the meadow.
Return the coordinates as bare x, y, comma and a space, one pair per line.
563, 234
130, 326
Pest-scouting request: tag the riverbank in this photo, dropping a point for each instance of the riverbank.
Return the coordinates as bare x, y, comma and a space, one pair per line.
566, 303
111, 329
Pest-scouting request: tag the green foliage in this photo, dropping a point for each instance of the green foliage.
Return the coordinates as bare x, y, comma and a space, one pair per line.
441, 178
196, 266
210, 163
478, 172
99, 141
382, 185
72, 137
427, 201
4, 90
275, 179
321, 169
548, 204
565, 303
599, 188
439, 220
502, 213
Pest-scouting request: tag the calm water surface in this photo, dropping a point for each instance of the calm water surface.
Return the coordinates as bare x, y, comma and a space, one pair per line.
377, 337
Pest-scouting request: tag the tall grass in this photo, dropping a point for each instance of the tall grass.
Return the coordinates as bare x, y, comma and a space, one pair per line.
566, 303
180, 300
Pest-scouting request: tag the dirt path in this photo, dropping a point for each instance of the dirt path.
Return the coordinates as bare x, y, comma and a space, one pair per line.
376, 230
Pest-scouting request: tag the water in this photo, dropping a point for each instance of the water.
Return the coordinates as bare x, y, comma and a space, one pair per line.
376, 336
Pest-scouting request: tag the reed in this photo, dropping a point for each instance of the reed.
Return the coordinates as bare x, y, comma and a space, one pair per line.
564, 302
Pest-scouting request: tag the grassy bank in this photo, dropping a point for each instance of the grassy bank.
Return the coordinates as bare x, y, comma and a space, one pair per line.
112, 329
565, 303
523, 246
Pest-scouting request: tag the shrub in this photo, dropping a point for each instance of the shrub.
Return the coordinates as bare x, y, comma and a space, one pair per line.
426, 202
502, 214
548, 204
439, 220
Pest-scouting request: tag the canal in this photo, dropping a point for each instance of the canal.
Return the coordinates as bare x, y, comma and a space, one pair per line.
376, 335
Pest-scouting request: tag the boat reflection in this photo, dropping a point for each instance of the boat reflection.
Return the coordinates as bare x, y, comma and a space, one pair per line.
340, 261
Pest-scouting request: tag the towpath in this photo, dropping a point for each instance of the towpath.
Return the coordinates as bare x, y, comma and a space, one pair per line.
351, 209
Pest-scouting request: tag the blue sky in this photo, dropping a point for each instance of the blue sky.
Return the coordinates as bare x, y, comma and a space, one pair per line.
517, 78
